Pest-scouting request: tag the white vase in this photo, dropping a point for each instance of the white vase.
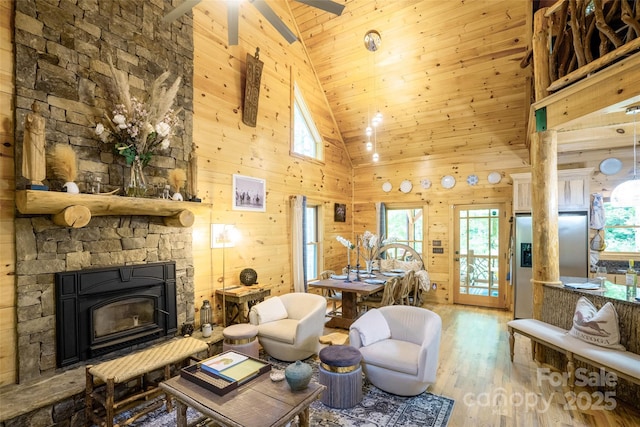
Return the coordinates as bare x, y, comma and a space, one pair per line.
71, 188
177, 196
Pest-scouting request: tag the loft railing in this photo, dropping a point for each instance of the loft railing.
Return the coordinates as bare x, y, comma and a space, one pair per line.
574, 38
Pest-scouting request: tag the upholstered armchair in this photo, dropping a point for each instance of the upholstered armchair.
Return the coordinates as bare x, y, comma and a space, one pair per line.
290, 325
399, 346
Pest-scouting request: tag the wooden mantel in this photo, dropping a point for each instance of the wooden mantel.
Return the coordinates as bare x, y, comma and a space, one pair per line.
76, 210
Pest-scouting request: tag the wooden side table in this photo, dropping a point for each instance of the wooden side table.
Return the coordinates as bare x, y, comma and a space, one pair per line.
239, 300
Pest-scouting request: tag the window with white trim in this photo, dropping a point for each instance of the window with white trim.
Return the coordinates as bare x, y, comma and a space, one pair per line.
622, 228
306, 138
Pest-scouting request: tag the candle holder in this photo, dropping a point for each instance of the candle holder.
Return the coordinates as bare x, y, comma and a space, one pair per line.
347, 280
358, 272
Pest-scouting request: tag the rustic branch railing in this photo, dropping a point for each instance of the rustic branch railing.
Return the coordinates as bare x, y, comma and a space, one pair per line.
574, 38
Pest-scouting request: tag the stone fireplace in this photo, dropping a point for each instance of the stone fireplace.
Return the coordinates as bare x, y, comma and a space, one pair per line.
126, 246
99, 311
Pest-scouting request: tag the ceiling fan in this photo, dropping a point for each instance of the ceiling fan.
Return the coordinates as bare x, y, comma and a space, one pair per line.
264, 8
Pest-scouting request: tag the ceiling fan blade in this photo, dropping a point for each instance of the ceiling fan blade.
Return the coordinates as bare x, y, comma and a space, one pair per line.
277, 23
232, 22
326, 5
180, 10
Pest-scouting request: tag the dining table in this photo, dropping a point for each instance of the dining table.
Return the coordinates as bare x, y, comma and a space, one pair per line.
350, 289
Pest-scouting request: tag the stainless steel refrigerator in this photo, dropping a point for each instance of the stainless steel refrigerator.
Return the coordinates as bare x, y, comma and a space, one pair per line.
573, 233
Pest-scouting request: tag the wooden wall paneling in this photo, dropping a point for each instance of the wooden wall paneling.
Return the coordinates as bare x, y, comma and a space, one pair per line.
228, 147
7, 210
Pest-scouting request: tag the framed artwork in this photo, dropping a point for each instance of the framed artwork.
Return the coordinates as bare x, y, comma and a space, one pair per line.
340, 212
249, 194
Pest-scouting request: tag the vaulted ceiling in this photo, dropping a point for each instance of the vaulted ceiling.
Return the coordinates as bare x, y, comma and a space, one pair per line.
447, 77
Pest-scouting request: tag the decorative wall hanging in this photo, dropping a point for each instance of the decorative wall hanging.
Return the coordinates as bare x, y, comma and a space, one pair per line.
406, 186
249, 194
448, 182
340, 212
252, 89
494, 178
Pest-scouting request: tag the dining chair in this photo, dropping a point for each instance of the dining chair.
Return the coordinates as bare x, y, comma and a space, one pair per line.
402, 288
408, 284
387, 297
331, 295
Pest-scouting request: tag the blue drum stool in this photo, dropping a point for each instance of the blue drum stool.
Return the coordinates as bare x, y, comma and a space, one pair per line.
341, 373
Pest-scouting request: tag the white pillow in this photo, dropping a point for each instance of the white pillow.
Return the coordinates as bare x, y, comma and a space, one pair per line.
599, 327
270, 310
373, 328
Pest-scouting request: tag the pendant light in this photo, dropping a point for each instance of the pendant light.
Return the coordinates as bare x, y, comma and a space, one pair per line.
372, 42
628, 193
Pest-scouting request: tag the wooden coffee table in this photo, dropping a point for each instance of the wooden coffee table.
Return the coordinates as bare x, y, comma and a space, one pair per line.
258, 403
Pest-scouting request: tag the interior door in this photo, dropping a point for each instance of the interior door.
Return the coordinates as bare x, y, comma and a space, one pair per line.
480, 255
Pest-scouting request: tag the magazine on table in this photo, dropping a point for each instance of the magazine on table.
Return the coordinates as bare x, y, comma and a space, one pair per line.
232, 366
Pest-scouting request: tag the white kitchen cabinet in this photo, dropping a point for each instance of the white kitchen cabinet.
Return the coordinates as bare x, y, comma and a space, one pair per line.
573, 190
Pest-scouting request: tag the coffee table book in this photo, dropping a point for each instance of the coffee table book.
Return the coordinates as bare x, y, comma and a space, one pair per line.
239, 370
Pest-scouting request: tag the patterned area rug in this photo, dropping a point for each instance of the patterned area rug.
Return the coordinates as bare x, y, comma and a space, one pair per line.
377, 409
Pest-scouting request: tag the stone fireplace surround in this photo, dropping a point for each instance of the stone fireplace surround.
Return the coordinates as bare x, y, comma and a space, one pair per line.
44, 249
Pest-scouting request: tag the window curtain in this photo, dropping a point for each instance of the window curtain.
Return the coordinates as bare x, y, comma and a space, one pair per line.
381, 226
298, 245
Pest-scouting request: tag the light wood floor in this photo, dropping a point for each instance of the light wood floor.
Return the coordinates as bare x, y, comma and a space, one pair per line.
476, 371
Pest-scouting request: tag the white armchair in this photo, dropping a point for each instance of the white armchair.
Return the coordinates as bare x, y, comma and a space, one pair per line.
399, 346
290, 325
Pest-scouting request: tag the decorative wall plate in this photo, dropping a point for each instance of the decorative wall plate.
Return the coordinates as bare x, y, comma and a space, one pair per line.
406, 186
610, 166
425, 183
448, 181
386, 187
472, 179
494, 178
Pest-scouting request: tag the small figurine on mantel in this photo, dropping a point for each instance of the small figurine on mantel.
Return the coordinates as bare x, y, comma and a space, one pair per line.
33, 149
193, 175
177, 178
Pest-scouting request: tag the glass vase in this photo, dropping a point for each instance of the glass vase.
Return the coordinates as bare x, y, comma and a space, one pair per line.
137, 186
369, 266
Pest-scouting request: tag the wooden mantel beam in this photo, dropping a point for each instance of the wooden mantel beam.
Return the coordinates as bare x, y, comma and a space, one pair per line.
75, 210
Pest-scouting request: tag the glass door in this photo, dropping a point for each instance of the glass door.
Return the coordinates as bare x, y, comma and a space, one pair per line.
480, 256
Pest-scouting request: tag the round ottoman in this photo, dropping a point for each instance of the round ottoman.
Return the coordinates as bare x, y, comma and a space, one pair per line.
341, 373
242, 338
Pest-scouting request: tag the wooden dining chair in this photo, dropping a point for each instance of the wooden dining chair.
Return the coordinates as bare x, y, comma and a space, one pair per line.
387, 297
404, 287
334, 297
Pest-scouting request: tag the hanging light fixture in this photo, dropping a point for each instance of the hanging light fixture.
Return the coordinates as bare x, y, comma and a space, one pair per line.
372, 42
628, 193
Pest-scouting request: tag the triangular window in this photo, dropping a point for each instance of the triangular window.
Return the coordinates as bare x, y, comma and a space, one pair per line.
306, 138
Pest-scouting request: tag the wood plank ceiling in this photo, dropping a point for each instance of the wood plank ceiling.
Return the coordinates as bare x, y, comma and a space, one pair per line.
447, 77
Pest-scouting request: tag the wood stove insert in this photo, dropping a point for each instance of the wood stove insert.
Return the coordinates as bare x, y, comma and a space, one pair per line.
99, 311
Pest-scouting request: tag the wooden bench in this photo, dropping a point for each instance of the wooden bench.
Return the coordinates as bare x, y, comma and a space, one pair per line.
623, 363
107, 382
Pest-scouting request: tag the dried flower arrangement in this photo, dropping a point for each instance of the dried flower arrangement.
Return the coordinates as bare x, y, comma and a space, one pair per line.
140, 128
177, 178
63, 162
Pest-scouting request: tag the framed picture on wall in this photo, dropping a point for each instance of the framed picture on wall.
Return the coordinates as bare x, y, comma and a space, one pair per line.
249, 194
340, 212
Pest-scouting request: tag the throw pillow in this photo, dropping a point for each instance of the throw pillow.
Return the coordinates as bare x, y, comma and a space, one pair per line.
599, 327
372, 328
270, 310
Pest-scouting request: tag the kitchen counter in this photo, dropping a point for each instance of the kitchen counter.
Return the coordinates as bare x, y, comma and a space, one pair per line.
611, 290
